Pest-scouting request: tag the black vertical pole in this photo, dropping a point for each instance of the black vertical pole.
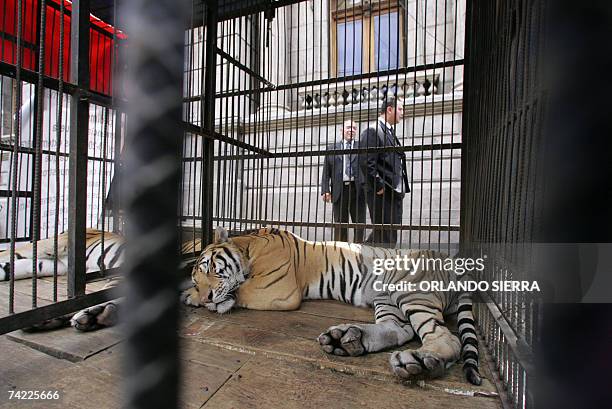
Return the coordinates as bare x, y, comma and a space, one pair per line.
208, 119
79, 129
575, 209
155, 30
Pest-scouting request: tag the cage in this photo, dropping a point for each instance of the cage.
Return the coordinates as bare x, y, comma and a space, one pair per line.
268, 90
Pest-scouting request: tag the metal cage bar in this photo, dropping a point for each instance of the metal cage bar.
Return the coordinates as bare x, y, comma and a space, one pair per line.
37, 127
276, 183
501, 154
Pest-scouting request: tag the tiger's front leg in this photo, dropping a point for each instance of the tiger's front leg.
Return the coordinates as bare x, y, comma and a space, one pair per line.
390, 330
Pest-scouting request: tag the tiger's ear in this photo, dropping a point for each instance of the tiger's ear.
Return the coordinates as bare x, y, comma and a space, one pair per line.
220, 235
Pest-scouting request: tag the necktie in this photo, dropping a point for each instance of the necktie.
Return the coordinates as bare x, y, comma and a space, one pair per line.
347, 161
400, 186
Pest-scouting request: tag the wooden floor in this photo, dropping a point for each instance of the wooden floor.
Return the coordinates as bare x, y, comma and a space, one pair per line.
246, 359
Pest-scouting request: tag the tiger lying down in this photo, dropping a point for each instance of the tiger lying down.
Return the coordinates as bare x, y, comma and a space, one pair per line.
275, 270
107, 252
271, 269
102, 250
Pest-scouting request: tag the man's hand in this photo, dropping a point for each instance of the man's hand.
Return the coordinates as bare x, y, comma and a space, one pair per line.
326, 197
381, 191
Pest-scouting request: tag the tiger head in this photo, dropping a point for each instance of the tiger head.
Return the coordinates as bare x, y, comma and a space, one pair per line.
219, 271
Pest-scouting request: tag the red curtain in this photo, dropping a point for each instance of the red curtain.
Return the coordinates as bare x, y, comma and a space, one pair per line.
101, 42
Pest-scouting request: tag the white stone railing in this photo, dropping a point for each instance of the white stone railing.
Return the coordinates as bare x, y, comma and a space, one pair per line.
368, 90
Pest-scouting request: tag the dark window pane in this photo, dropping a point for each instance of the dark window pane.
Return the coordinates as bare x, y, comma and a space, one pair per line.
349, 48
386, 41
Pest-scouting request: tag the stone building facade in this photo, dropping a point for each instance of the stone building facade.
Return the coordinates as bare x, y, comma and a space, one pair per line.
302, 93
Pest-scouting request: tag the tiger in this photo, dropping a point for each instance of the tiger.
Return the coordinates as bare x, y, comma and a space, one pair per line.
103, 250
273, 269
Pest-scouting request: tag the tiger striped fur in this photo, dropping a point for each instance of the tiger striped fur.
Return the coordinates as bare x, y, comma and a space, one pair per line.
275, 270
102, 250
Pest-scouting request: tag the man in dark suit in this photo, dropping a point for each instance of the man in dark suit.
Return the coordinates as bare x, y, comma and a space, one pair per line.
386, 178
346, 188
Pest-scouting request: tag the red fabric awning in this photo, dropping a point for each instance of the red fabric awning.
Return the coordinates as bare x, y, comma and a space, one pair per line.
101, 42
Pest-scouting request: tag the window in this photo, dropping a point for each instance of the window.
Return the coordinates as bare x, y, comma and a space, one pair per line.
367, 36
349, 46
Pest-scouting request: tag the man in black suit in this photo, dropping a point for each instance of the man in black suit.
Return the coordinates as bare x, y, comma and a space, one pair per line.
346, 189
386, 178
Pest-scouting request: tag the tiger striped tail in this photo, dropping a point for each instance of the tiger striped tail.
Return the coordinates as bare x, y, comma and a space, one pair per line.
469, 340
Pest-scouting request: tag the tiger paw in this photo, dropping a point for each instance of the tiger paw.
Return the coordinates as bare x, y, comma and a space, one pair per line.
413, 364
191, 297
96, 317
342, 340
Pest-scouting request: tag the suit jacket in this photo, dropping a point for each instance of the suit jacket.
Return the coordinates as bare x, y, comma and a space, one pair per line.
382, 169
333, 172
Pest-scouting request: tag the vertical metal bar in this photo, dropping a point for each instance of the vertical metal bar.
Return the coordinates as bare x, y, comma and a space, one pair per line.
115, 187
38, 141
79, 129
16, 143
208, 120
151, 189
116, 72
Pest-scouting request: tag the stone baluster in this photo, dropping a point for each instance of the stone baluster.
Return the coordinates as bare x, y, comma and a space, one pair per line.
420, 88
374, 94
325, 100
365, 95
408, 90
349, 96
333, 99
400, 91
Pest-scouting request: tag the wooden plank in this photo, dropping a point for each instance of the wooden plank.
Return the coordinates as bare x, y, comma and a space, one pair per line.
205, 368
208, 355
265, 334
23, 302
25, 369
266, 383
68, 343
284, 322
86, 387
199, 383
44, 290
108, 361
23, 293
337, 309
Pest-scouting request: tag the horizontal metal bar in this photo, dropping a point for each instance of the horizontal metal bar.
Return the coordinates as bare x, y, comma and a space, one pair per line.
25, 44
100, 275
21, 193
518, 346
18, 239
92, 26
196, 130
40, 314
305, 84
271, 223
228, 9
319, 152
27, 150
244, 67
102, 100
356, 151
